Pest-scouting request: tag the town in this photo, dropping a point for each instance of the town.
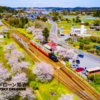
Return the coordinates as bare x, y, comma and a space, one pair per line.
49, 53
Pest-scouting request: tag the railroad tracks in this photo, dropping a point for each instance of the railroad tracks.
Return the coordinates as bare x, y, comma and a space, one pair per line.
67, 78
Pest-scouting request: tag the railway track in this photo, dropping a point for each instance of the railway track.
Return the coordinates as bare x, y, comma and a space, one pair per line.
66, 77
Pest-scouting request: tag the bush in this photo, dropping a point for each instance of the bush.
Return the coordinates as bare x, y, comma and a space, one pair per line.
81, 45
97, 79
87, 46
34, 84
86, 23
93, 38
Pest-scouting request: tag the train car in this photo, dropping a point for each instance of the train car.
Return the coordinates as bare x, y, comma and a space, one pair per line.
44, 50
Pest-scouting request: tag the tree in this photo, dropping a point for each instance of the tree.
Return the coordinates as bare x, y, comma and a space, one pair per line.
65, 12
43, 71
1, 23
86, 23
3, 74
96, 22
27, 94
44, 18
11, 21
34, 84
16, 21
19, 78
46, 34
55, 18
38, 18
25, 20
81, 45
66, 53
8, 15
66, 97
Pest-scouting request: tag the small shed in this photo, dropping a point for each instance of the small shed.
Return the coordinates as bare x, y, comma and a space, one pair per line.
1, 35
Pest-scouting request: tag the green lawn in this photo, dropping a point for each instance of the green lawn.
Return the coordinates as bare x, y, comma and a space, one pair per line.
53, 86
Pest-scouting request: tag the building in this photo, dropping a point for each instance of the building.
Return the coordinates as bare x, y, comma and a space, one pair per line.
1, 35
82, 31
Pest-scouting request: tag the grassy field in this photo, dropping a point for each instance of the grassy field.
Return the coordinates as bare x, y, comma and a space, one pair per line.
53, 86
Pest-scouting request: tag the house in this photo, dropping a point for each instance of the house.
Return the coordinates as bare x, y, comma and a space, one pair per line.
2, 35
82, 31
51, 46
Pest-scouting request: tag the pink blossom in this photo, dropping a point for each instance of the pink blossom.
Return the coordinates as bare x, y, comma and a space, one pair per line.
66, 97
10, 46
67, 53
7, 55
3, 74
17, 53
1, 23
27, 94
7, 94
12, 60
30, 28
43, 71
19, 77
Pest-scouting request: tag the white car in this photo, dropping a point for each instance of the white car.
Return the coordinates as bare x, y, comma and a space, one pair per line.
74, 65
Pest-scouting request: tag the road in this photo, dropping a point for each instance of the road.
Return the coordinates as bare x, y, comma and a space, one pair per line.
70, 80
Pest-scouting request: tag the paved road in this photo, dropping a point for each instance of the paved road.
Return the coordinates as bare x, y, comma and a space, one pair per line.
88, 61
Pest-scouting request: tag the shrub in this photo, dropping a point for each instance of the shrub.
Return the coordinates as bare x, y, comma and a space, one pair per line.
87, 46
81, 45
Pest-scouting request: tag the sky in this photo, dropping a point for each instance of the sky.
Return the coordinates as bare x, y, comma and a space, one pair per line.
50, 3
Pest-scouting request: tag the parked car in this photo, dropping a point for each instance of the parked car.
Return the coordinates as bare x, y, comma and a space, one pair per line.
78, 61
74, 65
80, 55
62, 35
80, 69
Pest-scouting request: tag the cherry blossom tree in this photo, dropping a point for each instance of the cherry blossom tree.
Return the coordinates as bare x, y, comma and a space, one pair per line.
32, 28
19, 77
7, 94
12, 60
27, 94
1, 23
6, 30
18, 66
66, 97
17, 53
53, 37
10, 46
67, 53
43, 71
4, 74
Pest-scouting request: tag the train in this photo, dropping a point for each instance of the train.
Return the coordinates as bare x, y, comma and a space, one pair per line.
45, 51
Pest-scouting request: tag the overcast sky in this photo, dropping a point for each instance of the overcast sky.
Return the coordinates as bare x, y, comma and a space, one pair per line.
50, 3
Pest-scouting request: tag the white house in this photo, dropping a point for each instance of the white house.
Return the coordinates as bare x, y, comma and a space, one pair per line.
79, 31
1, 35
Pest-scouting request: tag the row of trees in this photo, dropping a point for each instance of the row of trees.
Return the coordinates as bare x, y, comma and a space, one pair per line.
18, 22
44, 18
87, 40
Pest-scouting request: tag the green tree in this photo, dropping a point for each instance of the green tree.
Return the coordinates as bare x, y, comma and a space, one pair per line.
81, 45
44, 18
86, 23
25, 20
16, 21
34, 84
55, 18
8, 15
38, 18
46, 34
11, 21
